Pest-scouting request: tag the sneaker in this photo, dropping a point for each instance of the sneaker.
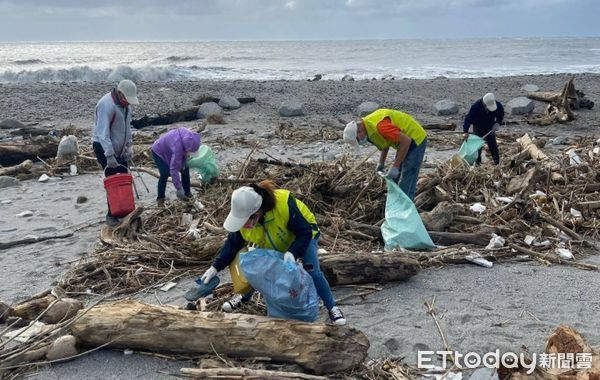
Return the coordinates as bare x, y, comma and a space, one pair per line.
160, 202
112, 221
336, 316
233, 303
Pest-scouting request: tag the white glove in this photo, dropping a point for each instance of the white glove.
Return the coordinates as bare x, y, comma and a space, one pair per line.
111, 162
495, 127
289, 256
181, 194
393, 173
209, 274
128, 155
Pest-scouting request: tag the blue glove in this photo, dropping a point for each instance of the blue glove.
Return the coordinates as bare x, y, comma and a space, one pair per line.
393, 174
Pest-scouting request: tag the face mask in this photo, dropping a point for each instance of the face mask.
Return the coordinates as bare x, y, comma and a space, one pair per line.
363, 141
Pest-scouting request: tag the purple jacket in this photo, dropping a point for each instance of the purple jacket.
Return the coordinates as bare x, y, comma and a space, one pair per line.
172, 148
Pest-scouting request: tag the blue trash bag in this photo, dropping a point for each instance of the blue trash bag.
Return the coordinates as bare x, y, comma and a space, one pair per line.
288, 289
204, 163
469, 150
403, 226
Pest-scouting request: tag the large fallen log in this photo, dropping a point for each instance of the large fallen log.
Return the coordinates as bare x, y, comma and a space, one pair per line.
14, 152
20, 168
353, 268
170, 117
317, 347
561, 105
442, 126
537, 154
245, 373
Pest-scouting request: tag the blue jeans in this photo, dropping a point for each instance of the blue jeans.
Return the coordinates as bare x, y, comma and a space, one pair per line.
165, 173
311, 265
409, 171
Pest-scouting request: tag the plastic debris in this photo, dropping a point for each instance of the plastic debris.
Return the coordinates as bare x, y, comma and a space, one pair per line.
138, 271
539, 196
544, 243
73, 169
574, 159
476, 258
496, 242
168, 286
25, 333
564, 253
505, 199
576, 213
25, 214
529, 239
193, 234
128, 351
322, 251
44, 178
477, 207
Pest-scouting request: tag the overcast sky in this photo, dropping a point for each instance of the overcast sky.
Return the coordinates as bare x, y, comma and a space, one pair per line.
50, 20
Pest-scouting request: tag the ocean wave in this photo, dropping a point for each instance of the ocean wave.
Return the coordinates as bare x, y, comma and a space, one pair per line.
180, 58
88, 74
27, 61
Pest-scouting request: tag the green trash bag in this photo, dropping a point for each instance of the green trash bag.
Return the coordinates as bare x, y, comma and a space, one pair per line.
204, 163
469, 150
403, 226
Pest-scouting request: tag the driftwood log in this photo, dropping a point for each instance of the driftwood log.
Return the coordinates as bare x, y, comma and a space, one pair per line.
352, 268
207, 99
318, 348
14, 152
537, 154
442, 126
170, 117
560, 104
245, 373
23, 167
47, 308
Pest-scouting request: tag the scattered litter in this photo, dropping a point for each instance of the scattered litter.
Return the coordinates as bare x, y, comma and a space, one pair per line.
193, 234
477, 207
186, 219
322, 251
43, 178
564, 253
440, 373
544, 243
23, 334
596, 150
576, 213
199, 205
505, 199
496, 242
25, 214
574, 159
128, 351
168, 286
88, 291
476, 258
138, 271
73, 169
539, 196
563, 236
133, 258
529, 239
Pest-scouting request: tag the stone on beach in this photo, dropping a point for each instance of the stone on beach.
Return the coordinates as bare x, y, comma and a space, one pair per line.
6, 181
520, 106
11, 124
291, 108
228, 102
347, 78
366, 108
445, 107
209, 109
530, 88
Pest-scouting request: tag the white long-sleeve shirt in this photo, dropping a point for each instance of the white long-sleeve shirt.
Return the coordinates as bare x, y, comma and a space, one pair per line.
112, 126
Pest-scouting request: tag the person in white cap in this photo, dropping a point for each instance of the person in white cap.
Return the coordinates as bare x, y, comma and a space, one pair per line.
268, 217
387, 128
111, 139
485, 115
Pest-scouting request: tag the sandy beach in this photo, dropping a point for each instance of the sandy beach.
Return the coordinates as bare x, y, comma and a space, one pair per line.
508, 307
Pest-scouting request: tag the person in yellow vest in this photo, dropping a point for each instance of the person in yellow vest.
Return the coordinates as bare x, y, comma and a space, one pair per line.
387, 128
268, 217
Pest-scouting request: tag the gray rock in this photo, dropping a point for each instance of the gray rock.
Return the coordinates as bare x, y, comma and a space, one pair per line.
209, 109
11, 124
366, 108
6, 181
267, 135
388, 77
484, 374
445, 107
560, 140
348, 78
228, 102
520, 106
62, 348
316, 78
530, 88
291, 108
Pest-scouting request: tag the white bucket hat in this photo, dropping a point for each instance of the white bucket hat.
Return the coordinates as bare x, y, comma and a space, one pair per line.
350, 133
490, 101
129, 90
244, 202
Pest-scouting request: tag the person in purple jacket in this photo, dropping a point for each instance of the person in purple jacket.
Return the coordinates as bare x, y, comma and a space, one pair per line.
170, 152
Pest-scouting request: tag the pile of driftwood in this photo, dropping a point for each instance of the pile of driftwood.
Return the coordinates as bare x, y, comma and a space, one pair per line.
560, 104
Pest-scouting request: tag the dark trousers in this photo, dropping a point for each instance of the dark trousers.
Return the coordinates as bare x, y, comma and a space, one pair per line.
493, 146
101, 158
165, 173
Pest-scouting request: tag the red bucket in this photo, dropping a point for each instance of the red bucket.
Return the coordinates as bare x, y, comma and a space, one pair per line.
119, 194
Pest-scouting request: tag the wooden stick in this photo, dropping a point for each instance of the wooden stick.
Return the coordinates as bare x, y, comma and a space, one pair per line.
32, 240
245, 373
431, 311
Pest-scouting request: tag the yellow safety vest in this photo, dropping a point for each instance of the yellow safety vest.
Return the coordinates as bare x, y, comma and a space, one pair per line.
404, 122
273, 232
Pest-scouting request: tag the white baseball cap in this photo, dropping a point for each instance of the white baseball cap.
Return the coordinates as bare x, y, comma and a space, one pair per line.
244, 202
129, 90
350, 133
490, 101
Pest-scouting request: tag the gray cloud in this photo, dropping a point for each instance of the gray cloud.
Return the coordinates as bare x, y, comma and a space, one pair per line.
293, 19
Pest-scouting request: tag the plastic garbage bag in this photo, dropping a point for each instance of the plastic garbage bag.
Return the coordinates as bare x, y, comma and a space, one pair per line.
477, 207
496, 242
68, 148
403, 226
288, 289
204, 163
469, 150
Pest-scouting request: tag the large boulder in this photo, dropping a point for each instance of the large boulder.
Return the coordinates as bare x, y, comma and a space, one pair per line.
366, 108
291, 108
347, 78
62, 348
6, 181
228, 102
11, 124
210, 109
530, 88
520, 106
445, 107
